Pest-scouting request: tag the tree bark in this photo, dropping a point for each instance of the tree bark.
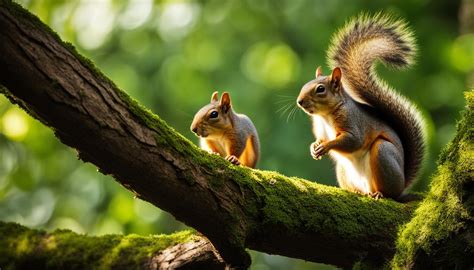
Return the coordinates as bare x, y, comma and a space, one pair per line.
197, 254
235, 207
24, 248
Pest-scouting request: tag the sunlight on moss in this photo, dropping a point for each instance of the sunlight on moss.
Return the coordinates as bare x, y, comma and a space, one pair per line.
50, 243
23, 245
20, 246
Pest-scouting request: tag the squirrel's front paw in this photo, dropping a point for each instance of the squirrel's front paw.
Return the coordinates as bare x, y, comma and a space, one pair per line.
318, 150
233, 159
376, 195
312, 149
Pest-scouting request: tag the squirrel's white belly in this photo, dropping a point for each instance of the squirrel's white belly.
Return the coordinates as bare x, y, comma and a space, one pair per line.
353, 169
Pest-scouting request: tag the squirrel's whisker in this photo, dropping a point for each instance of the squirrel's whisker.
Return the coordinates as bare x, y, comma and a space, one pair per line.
284, 101
284, 108
292, 113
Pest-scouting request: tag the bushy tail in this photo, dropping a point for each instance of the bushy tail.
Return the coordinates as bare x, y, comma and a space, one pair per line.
354, 49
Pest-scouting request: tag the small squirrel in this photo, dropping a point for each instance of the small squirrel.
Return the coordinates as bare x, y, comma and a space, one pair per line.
374, 135
224, 132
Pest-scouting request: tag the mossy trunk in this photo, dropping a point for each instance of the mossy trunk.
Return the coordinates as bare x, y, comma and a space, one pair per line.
441, 232
235, 207
23, 248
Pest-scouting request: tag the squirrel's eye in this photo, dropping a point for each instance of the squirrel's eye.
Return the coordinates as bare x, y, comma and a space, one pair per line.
214, 114
320, 89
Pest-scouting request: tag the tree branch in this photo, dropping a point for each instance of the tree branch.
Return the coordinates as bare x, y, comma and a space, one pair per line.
24, 248
235, 207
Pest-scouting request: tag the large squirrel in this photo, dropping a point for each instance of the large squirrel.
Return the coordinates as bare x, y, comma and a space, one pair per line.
374, 135
227, 133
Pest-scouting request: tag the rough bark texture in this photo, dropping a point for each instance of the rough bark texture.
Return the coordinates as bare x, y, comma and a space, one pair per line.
235, 207
23, 248
198, 254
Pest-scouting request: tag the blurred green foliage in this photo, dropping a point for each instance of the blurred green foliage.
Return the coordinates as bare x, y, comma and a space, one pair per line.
171, 55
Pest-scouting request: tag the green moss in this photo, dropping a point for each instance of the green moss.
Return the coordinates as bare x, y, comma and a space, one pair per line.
288, 203
432, 237
62, 249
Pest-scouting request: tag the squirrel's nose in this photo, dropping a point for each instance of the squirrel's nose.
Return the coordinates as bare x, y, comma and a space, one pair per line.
300, 101
195, 130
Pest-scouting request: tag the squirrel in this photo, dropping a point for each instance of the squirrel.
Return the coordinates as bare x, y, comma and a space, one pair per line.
227, 133
374, 136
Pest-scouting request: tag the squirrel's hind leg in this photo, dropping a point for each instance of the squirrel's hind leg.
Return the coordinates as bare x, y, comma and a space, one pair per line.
386, 163
249, 156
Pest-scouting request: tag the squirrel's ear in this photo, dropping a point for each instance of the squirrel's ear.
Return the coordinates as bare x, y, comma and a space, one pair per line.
336, 77
214, 97
225, 102
319, 72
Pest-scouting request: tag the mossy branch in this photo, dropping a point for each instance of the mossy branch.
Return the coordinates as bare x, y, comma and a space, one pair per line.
23, 248
235, 207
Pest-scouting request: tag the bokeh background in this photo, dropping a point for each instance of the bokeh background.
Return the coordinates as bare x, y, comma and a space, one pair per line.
171, 55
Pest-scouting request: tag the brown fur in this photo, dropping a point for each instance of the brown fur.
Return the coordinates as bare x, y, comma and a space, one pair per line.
355, 49
366, 150
230, 135
250, 155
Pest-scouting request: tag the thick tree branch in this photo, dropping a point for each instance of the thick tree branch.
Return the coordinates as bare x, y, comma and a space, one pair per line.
24, 248
235, 207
